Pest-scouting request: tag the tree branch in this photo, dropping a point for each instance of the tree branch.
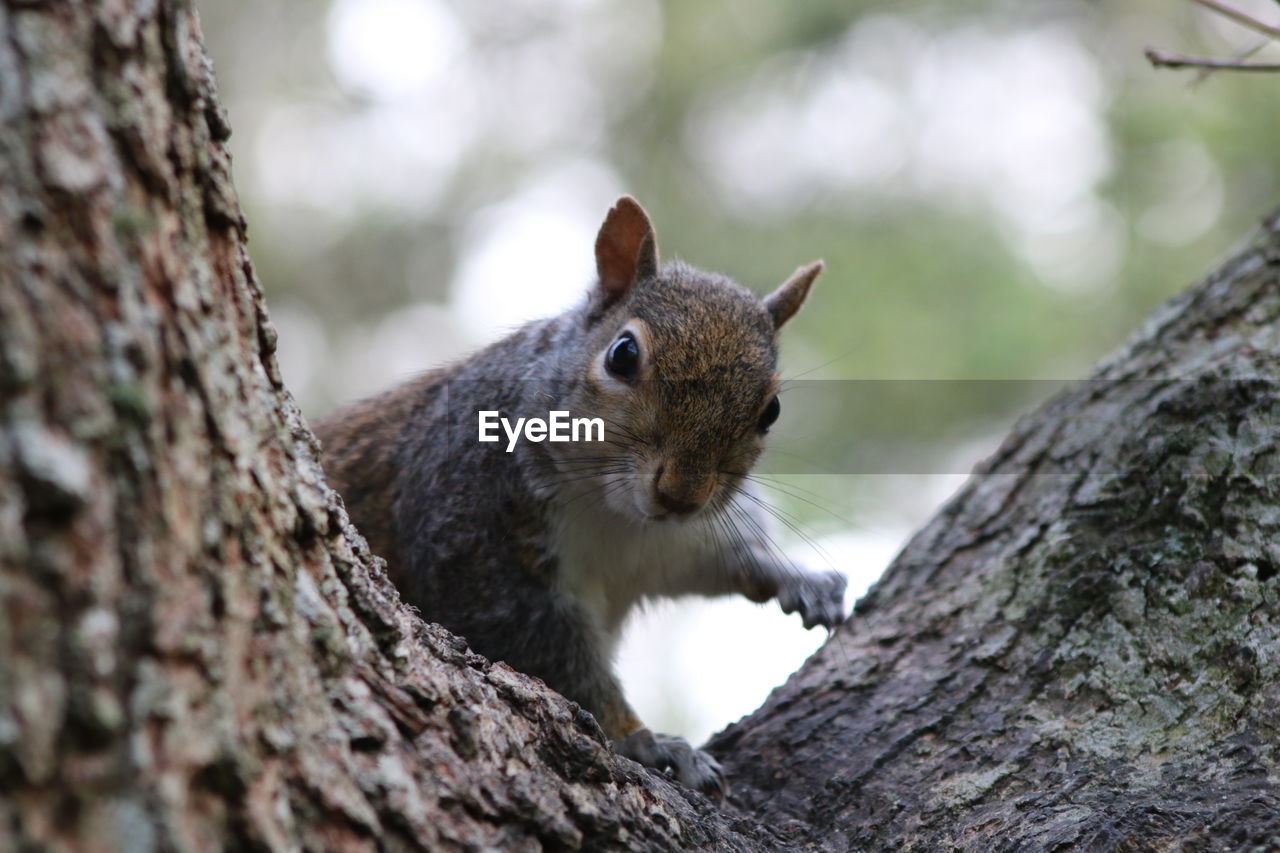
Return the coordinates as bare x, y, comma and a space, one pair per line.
1161, 59
1242, 18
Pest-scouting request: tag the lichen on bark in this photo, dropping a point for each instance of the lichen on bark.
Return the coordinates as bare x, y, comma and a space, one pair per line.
1082, 648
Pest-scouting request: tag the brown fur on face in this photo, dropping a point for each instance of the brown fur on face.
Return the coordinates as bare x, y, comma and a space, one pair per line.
709, 358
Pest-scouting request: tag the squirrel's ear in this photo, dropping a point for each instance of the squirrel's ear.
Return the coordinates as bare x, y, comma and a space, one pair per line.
626, 249
784, 302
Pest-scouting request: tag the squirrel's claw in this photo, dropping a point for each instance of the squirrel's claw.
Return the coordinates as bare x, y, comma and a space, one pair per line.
689, 766
817, 597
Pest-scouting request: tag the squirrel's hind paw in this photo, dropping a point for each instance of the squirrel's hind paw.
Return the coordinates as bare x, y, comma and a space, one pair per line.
689, 766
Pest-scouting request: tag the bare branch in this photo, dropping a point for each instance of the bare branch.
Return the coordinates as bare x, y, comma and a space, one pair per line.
1242, 18
1160, 59
1206, 73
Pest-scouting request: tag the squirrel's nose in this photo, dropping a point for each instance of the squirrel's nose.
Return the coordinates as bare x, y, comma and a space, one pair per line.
675, 493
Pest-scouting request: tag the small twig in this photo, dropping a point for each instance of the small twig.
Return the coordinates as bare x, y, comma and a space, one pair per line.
1206, 73
1242, 18
1160, 59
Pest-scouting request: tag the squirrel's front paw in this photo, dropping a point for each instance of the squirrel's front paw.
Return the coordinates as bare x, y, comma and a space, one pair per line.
692, 767
818, 598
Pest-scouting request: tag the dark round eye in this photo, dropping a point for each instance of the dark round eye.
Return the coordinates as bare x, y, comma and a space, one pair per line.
769, 415
623, 357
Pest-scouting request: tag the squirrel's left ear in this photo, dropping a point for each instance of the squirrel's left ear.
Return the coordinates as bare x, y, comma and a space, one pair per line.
626, 249
784, 302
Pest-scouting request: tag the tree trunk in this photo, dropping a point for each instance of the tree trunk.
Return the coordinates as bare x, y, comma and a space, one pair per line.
198, 652
1082, 649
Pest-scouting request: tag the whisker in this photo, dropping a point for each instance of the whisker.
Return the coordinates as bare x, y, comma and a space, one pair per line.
792, 523
840, 357
845, 652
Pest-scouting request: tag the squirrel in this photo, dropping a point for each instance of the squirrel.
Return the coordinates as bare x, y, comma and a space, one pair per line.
535, 553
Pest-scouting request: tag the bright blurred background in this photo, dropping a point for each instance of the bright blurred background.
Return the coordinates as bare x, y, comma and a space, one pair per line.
1001, 191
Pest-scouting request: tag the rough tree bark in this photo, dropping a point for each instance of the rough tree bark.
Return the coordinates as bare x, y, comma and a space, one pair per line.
1082, 649
197, 651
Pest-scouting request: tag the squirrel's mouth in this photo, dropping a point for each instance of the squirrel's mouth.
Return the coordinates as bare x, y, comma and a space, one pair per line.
660, 509
673, 491
669, 517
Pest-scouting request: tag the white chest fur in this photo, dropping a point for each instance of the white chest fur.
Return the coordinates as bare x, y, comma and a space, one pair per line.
609, 563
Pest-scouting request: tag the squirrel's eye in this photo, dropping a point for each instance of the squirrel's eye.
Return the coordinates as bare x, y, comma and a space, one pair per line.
769, 415
623, 358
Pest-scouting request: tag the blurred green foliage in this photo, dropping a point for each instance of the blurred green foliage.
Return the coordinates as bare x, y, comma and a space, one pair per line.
928, 278
1001, 191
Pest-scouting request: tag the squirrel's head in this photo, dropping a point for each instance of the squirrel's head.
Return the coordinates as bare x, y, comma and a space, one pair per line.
682, 366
